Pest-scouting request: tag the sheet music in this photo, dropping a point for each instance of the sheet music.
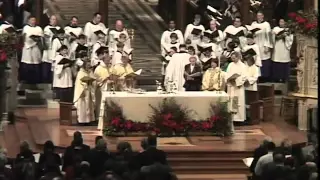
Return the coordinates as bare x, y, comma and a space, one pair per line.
138, 72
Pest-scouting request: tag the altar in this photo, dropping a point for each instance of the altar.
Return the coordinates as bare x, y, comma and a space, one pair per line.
136, 107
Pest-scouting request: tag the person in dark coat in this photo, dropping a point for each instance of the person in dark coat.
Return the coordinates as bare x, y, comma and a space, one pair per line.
192, 75
49, 160
259, 152
276, 169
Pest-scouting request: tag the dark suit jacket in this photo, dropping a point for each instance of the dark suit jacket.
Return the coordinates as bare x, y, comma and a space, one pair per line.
97, 160
193, 85
258, 152
74, 154
276, 172
149, 157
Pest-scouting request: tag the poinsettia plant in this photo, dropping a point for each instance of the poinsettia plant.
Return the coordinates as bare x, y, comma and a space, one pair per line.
304, 23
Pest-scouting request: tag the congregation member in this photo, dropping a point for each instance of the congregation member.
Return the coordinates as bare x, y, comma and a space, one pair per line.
235, 32
265, 159
125, 74
283, 40
252, 74
194, 31
192, 75
166, 37
30, 68
84, 94
48, 55
104, 83
62, 78
93, 26
263, 40
236, 76
99, 43
175, 68
114, 36
213, 78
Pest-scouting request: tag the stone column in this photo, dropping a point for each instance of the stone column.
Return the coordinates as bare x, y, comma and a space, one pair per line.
181, 14
302, 115
3, 94
39, 12
104, 10
245, 11
12, 97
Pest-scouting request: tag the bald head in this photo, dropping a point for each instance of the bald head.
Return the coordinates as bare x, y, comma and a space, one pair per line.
119, 25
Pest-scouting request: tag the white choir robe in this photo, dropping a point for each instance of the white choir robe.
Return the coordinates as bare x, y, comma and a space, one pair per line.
89, 30
263, 39
194, 39
31, 53
237, 91
252, 78
165, 48
48, 55
281, 49
214, 48
76, 30
4, 26
257, 58
116, 58
72, 50
94, 56
165, 38
175, 69
84, 98
231, 28
114, 35
219, 41
62, 77
164, 65
113, 47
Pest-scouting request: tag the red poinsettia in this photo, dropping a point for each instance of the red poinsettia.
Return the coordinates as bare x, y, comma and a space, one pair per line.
115, 122
128, 125
292, 15
3, 56
301, 20
206, 125
214, 118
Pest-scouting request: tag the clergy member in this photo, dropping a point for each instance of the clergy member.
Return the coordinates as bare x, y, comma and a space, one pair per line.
48, 56
30, 68
281, 52
213, 78
194, 31
192, 75
124, 71
91, 27
253, 73
263, 40
115, 34
62, 78
166, 35
175, 68
236, 76
235, 31
84, 94
102, 74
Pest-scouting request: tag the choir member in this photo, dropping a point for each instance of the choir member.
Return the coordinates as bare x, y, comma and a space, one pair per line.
174, 42
84, 94
30, 69
235, 31
213, 78
99, 43
114, 35
62, 78
102, 74
166, 60
192, 52
73, 31
225, 57
100, 54
192, 75
80, 47
252, 46
281, 52
216, 36
166, 36
117, 55
206, 56
7, 27
123, 39
263, 40
50, 31
194, 31
175, 68
124, 71
58, 41
189, 44
253, 73
93, 26
236, 76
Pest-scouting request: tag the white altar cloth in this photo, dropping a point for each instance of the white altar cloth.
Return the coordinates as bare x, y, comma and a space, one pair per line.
136, 107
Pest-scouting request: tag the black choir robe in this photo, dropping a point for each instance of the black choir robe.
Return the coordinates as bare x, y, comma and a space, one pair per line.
193, 85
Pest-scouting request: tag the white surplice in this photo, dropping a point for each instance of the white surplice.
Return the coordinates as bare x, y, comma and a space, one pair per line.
113, 36
175, 69
165, 48
194, 39
76, 30
94, 56
89, 30
62, 77
263, 39
4, 26
281, 49
253, 73
56, 44
165, 39
84, 98
48, 55
219, 42
237, 91
31, 53
231, 28
255, 47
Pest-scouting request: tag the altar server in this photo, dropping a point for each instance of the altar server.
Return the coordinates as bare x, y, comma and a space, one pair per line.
253, 48
50, 31
166, 35
174, 42
175, 68
253, 73
99, 43
84, 94
30, 69
114, 35
194, 31
216, 36
263, 40
236, 76
58, 41
124, 71
62, 79
281, 52
92, 27
192, 75
235, 31
213, 78
102, 74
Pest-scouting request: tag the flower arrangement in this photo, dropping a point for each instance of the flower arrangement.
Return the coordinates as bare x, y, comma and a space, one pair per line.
168, 119
304, 23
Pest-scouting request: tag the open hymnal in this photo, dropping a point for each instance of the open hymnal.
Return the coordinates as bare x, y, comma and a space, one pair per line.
234, 76
65, 61
204, 47
206, 59
235, 32
196, 31
248, 161
138, 72
11, 29
214, 11
252, 29
249, 52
